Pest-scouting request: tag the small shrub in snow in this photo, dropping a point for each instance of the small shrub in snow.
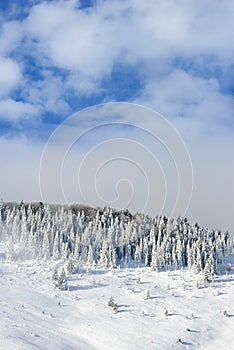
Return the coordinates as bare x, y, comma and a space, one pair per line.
94, 283
225, 313
111, 302
148, 294
115, 308
217, 292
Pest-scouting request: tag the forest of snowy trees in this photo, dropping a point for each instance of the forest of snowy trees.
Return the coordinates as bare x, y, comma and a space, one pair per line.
108, 238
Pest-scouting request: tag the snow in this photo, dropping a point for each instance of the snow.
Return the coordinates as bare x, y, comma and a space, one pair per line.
35, 315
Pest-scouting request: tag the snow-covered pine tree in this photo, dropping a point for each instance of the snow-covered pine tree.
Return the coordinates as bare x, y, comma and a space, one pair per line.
145, 251
154, 261
10, 253
208, 271
46, 245
90, 258
56, 246
62, 280
113, 257
104, 256
72, 266
55, 277
137, 256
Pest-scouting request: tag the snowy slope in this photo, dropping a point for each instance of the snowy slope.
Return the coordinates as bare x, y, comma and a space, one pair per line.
35, 315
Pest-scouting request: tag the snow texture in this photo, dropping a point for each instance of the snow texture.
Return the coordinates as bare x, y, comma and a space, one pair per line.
156, 310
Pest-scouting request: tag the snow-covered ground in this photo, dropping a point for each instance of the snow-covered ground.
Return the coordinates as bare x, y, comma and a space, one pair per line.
177, 314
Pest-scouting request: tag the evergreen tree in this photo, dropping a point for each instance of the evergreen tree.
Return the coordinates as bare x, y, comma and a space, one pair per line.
10, 253
208, 272
90, 259
72, 265
154, 261
62, 280
55, 277
56, 247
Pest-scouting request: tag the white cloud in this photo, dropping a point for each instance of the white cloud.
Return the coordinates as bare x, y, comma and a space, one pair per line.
13, 111
92, 41
19, 169
82, 84
50, 93
182, 97
10, 75
151, 35
69, 38
10, 37
213, 196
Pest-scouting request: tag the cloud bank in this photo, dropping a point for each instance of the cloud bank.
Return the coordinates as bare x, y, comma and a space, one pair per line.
57, 57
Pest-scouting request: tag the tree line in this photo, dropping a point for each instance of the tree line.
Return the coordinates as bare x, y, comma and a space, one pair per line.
110, 238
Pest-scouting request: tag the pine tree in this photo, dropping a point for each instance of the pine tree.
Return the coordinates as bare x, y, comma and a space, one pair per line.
71, 266
55, 277
137, 256
10, 250
104, 257
46, 245
62, 280
90, 259
145, 252
154, 258
113, 257
56, 247
209, 270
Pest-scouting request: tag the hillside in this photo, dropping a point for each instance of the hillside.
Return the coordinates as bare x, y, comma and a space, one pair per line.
156, 310
82, 278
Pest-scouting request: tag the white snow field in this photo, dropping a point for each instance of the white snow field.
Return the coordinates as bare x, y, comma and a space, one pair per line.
156, 310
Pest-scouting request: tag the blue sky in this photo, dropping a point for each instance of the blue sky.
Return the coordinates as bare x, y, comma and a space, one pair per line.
176, 57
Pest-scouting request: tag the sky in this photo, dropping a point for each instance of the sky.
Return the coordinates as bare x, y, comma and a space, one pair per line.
165, 148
